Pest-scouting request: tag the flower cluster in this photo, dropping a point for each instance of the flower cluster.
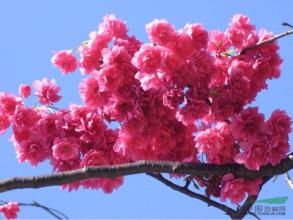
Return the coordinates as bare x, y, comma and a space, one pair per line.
181, 97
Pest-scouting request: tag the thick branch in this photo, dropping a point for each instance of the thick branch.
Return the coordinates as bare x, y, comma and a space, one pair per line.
270, 40
191, 194
143, 167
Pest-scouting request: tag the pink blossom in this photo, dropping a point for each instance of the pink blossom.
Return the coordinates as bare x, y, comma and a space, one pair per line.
122, 109
248, 124
4, 123
91, 52
254, 155
217, 144
90, 60
241, 33
115, 27
10, 210
130, 136
8, 103
218, 42
198, 35
279, 127
160, 31
279, 123
50, 125
65, 149
278, 149
130, 43
31, 151
241, 67
147, 59
240, 86
183, 44
25, 117
24, 91
110, 78
149, 81
224, 106
65, 60
47, 91
87, 121
171, 61
116, 55
236, 189
90, 92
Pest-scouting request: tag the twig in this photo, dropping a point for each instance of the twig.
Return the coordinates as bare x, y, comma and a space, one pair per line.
55, 213
289, 180
287, 24
270, 40
138, 167
192, 194
254, 215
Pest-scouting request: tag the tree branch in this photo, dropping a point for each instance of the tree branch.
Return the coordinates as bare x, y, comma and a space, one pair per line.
191, 194
270, 40
143, 167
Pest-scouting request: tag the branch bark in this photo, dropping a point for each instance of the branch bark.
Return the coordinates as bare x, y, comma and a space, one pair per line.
143, 167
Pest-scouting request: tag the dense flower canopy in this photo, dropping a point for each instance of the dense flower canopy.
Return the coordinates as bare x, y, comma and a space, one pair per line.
184, 96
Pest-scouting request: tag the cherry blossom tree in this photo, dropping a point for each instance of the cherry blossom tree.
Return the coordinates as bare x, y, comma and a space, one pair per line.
181, 106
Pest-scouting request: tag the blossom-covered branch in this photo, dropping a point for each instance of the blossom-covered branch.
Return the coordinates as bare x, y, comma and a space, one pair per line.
143, 167
183, 97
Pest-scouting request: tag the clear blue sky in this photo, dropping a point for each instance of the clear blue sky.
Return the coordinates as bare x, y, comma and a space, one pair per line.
32, 29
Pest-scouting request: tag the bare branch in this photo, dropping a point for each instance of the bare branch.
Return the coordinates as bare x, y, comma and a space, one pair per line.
192, 194
55, 213
143, 167
270, 40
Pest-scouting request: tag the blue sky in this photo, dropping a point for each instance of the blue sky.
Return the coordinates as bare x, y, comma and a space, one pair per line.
32, 29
